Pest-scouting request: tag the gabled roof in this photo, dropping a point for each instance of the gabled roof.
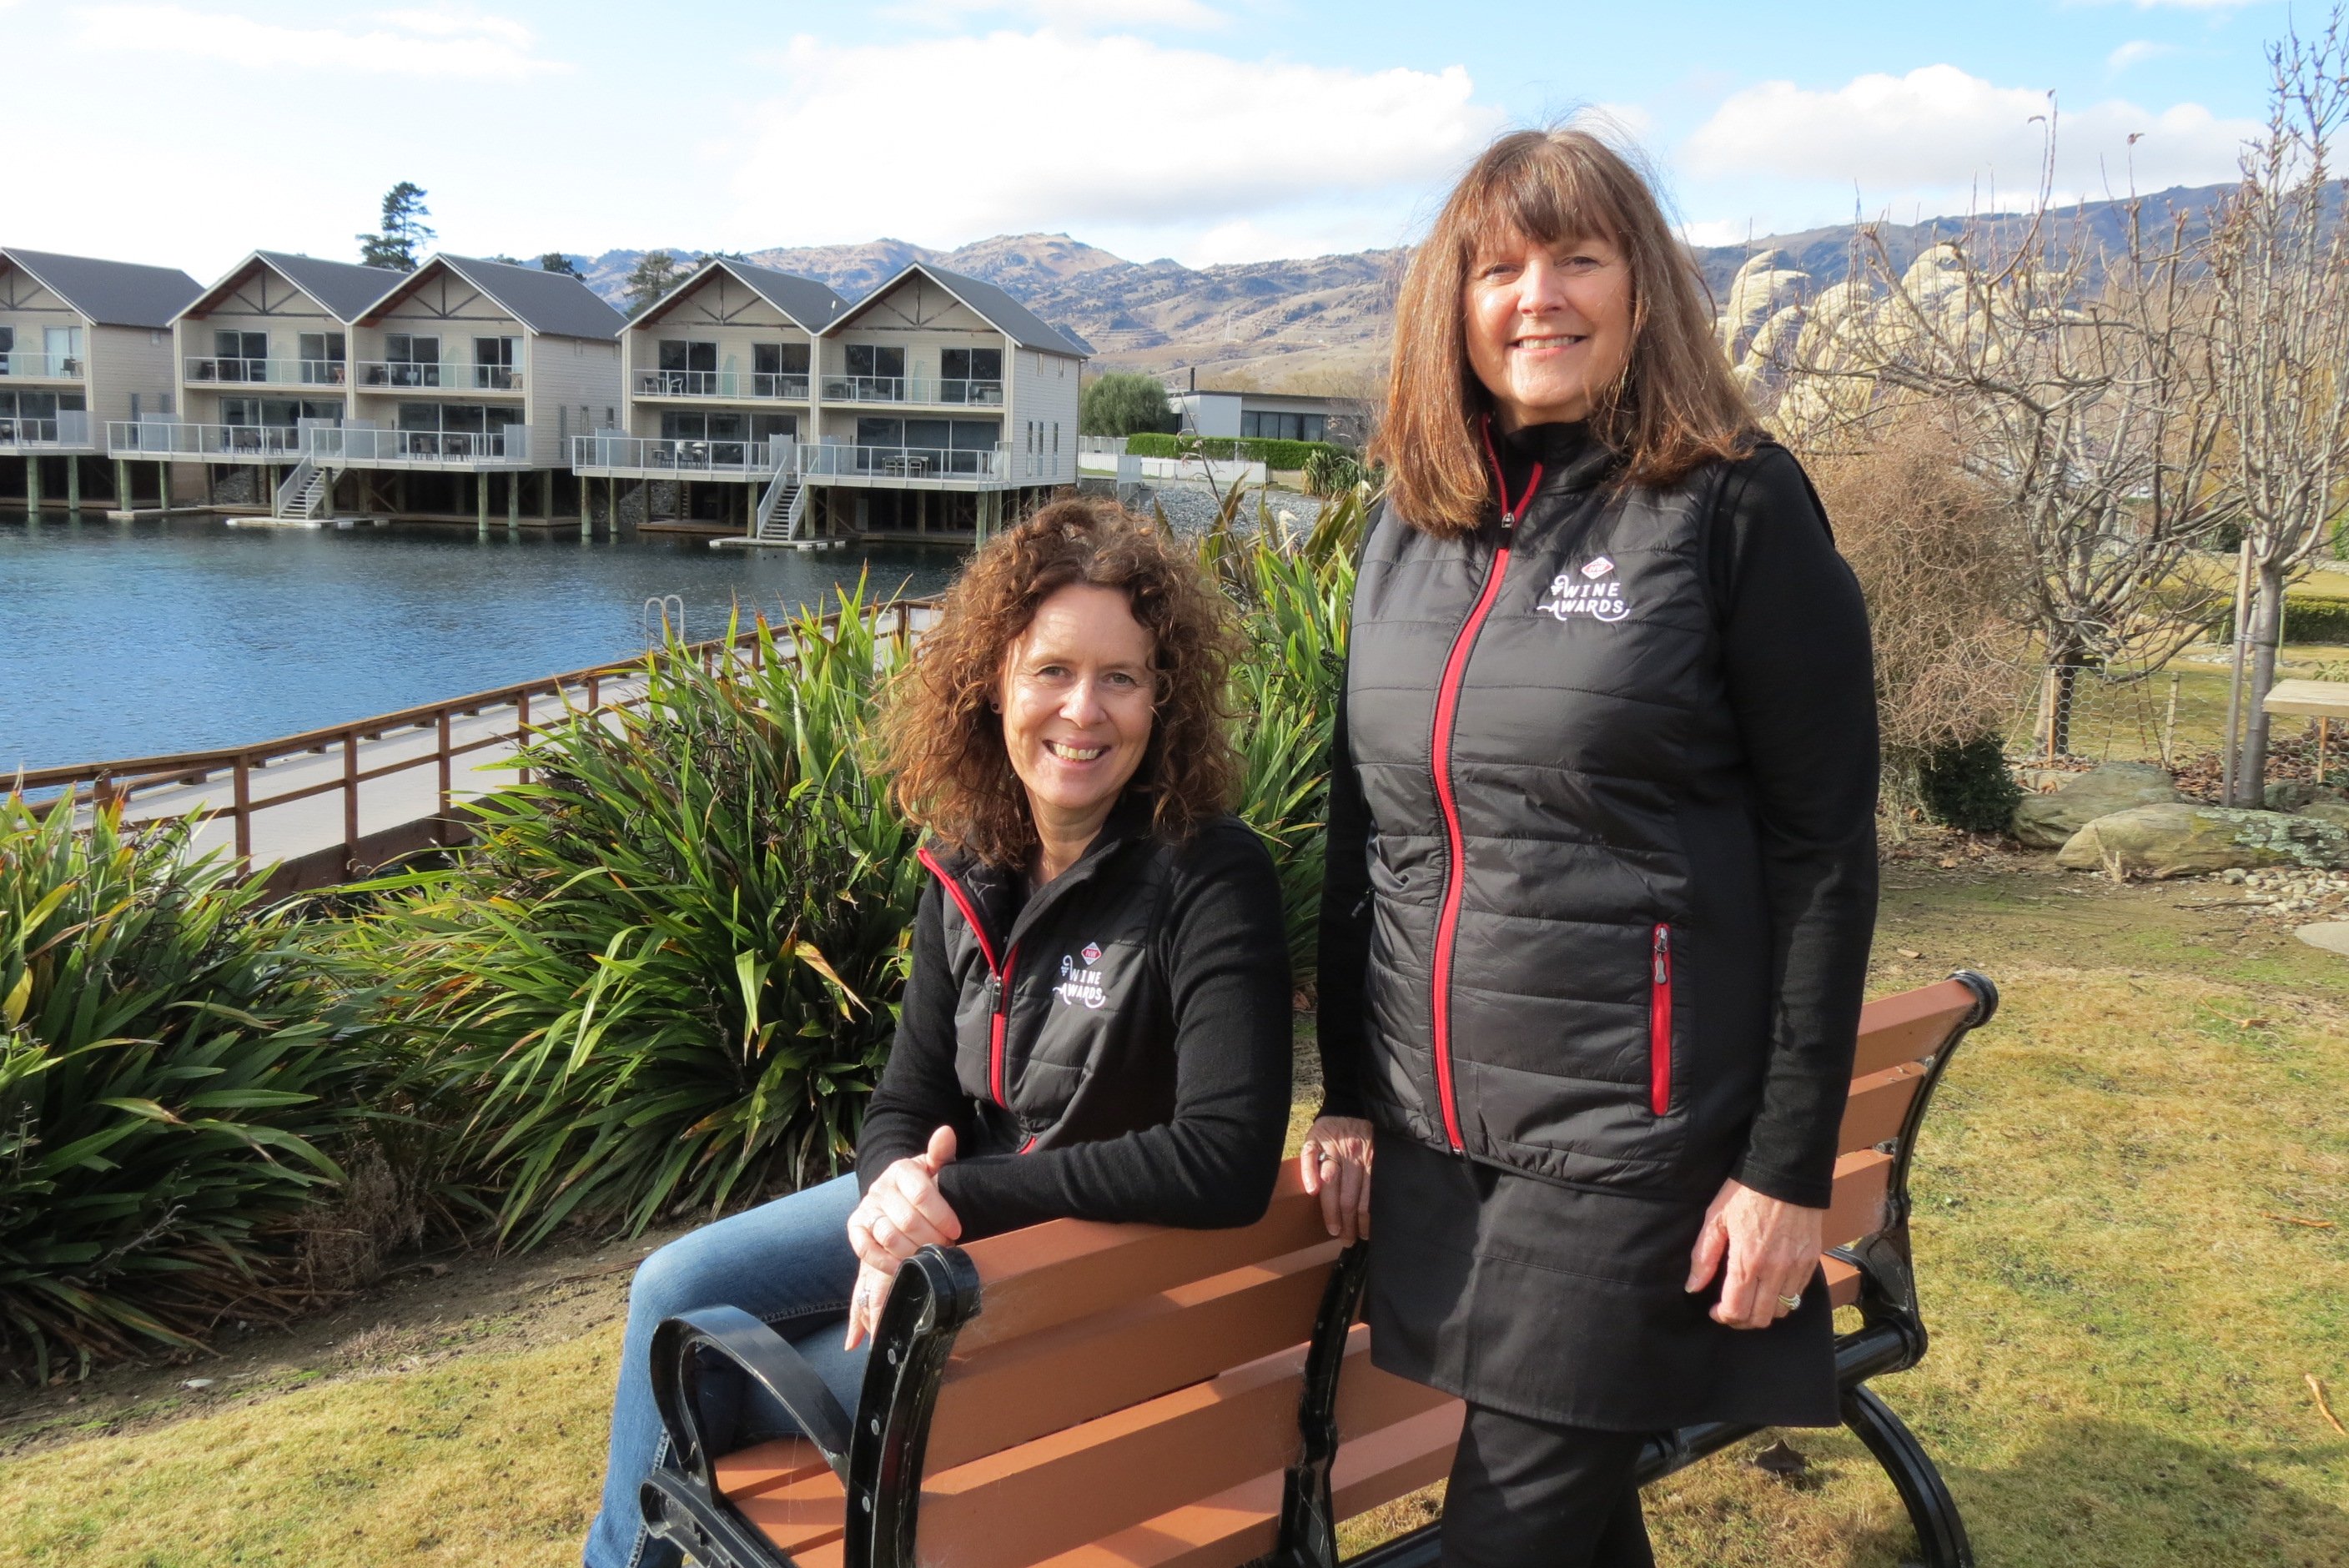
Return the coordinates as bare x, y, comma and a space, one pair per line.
110, 294
804, 301
554, 304
342, 289
999, 309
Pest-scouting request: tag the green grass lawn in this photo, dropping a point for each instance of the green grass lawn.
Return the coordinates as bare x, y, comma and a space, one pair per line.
2124, 1310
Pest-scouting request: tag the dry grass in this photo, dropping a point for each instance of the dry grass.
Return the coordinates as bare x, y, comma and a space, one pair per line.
2117, 1377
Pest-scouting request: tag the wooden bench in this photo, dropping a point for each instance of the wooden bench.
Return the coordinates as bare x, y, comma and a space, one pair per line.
1096, 1395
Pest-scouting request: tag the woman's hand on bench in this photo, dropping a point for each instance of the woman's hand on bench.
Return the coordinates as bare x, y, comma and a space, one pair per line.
900, 1215
1336, 1163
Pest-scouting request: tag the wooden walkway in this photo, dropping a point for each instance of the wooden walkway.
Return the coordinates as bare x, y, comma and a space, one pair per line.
328, 805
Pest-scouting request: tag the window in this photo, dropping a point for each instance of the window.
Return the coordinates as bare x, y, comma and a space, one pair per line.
240, 356
494, 359
971, 375
322, 358
409, 360
874, 361
453, 429
1271, 426
779, 370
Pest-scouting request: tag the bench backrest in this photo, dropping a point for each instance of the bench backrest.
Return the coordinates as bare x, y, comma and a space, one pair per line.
1040, 1391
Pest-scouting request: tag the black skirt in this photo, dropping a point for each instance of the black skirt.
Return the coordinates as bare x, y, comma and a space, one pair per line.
1565, 1303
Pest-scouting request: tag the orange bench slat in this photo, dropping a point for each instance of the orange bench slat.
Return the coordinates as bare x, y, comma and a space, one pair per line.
1912, 1025
1878, 1105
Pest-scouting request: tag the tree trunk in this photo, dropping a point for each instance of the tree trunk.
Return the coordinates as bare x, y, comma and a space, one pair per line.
2057, 689
2267, 626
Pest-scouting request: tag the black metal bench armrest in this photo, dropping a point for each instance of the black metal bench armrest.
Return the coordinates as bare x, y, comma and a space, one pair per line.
764, 1357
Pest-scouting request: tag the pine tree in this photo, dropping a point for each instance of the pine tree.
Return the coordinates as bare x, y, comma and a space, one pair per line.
655, 274
556, 261
398, 245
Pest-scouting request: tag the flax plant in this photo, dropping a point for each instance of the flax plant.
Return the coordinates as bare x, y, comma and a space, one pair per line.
174, 1068
666, 977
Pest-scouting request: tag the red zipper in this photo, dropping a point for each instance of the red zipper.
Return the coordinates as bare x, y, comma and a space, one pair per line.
1447, 706
998, 977
1660, 1025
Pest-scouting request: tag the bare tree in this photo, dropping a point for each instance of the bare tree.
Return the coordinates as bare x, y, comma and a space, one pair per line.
2279, 262
2071, 376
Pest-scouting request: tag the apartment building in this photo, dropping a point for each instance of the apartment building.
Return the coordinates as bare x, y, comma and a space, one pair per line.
260, 355
82, 342
468, 378
448, 392
937, 404
941, 405
715, 393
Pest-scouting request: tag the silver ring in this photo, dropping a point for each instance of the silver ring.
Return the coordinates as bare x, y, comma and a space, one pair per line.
1790, 1302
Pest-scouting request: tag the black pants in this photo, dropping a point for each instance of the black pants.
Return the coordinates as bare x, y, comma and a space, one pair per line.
1529, 1494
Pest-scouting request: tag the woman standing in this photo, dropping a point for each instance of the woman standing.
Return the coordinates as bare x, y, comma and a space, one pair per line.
1602, 867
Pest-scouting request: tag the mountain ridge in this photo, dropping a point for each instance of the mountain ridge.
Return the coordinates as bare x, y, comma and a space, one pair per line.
1318, 324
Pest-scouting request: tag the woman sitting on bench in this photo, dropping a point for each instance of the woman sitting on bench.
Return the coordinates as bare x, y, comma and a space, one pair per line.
1097, 1020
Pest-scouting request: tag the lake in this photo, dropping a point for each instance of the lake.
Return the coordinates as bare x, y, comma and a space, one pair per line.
135, 639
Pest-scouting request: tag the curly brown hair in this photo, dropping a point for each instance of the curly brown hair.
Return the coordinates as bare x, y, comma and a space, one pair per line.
942, 739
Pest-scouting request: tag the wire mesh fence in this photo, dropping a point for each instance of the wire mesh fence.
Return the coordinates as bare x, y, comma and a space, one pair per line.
2075, 716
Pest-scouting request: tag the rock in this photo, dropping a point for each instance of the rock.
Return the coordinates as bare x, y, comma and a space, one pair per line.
2048, 822
2332, 936
2333, 811
2182, 839
2299, 797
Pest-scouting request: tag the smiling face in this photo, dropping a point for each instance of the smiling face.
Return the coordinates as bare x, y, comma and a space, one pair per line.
1079, 695
1548, 326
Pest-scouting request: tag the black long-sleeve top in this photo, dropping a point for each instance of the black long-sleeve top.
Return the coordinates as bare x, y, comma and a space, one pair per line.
1795, 645
1183, 1099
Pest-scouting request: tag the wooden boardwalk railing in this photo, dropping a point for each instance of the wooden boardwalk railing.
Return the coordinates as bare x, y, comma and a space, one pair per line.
329, 804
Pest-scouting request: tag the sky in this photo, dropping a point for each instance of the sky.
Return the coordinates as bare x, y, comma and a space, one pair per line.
1206, 130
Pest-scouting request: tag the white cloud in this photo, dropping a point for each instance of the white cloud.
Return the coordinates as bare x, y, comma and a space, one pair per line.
1083, 15
437, 43
2136, 52
1226, 139
1937, 132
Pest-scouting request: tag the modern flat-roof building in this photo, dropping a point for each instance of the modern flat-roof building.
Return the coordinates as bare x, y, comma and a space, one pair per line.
82, 342
937, 404
445, 392
1271, 416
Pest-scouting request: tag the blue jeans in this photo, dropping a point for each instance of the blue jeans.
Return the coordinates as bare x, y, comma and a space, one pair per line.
787, 1262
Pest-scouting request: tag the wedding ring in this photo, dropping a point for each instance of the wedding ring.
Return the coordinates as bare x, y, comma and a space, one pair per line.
1790, 1302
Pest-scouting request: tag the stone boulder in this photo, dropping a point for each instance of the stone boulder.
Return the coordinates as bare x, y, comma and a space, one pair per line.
2049, 821
2333, 811
2299, 797
2184, 839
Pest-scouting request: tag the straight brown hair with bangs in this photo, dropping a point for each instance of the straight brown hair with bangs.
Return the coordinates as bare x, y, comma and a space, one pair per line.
1675, 407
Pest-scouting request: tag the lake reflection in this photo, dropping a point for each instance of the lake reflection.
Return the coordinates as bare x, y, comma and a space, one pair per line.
136, 639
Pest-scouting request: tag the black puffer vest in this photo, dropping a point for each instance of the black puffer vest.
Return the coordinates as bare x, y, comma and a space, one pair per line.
1537, 716
1063, 1031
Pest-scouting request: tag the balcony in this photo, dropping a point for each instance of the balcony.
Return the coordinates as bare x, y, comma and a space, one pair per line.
357, 446
209, 443
912, 389
269, 372
436, 376
757, 385
904, 465
24, 365
637, 457
67, 431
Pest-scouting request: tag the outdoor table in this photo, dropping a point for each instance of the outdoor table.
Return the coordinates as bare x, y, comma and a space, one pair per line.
2322, 701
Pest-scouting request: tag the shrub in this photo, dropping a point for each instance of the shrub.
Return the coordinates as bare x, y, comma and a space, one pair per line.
2307, 619
1968, 785
1330, 473
1293, 596
1937, 558
174, 1068
1271, 454
1124, 403
666, 977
